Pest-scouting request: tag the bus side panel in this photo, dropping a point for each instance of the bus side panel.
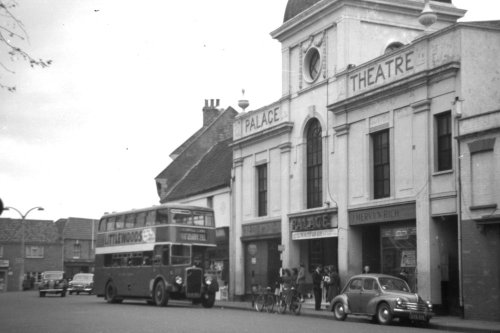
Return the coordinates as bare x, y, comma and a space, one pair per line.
100, 277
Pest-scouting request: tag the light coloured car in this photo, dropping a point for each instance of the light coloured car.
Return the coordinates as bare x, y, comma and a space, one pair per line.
81, 283
382, 297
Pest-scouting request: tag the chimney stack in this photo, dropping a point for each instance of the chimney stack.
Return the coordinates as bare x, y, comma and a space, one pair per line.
210, 111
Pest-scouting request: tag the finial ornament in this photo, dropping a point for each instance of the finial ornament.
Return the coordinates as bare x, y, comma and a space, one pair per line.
243, 103
427, 17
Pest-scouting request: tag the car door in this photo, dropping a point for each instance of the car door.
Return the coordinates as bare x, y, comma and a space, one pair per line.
353, 293
369, 291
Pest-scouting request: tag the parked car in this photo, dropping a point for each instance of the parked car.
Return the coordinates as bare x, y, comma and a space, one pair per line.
81, 283
382, 297
53, 282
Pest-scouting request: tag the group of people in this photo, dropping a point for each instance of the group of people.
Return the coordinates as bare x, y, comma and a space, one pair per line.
325, 278
296, 278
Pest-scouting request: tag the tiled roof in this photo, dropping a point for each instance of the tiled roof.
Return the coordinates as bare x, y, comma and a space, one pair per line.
212, 172
199, 144
79, 228
35, 231
186, 143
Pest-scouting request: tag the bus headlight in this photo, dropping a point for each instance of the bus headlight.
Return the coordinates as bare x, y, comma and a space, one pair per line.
178, 280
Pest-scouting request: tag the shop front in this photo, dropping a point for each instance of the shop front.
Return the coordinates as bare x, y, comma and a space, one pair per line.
389, 240
316, 235
4, 271
262, 254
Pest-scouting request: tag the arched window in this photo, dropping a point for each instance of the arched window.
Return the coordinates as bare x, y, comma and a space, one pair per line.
393, 47
314, 165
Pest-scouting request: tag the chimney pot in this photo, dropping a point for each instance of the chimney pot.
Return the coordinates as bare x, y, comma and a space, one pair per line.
217, 102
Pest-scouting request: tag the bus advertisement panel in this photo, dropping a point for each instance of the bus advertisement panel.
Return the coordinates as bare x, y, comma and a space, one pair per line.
158, 253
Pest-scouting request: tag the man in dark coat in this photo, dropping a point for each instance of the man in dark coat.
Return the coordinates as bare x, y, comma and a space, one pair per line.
317, 277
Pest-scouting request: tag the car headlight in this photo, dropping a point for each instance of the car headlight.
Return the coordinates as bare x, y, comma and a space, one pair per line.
429, 305
208, 280
178, 279
399, 302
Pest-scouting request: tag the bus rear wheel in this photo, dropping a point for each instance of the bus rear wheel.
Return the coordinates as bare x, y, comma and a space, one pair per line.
160, 294
208, 300
111, 293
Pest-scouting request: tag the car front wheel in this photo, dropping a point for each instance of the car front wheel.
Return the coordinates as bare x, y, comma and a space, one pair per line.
384, 315
339, 311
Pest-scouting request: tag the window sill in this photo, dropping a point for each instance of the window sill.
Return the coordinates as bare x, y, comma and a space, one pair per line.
480, 207
444, 172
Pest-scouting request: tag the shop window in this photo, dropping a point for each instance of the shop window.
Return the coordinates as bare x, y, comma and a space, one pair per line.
262, 190
443, 137
77, 251
314, 165
381, 165
34, 251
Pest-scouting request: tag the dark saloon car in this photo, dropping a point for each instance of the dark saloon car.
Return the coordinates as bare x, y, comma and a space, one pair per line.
53, 282
382, 297
81, 283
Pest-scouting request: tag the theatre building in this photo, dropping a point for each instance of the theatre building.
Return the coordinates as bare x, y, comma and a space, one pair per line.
364, 159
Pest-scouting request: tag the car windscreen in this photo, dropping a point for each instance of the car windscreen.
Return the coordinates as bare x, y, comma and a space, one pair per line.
53, 276
84, 278
394, 284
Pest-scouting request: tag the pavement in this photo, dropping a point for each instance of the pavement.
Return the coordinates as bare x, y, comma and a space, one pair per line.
447, 323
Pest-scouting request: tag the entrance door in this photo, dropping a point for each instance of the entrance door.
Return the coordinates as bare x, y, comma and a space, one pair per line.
3, 281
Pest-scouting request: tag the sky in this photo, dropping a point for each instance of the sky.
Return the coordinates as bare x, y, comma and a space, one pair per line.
126, 87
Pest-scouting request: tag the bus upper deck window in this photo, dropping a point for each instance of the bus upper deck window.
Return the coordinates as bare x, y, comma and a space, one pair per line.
161, 216
110, 223
150, 218
182, 217
130, 220
140, 219
120, 222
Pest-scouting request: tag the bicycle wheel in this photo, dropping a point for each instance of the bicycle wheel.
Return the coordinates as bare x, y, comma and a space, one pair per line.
295, 305
281, 305
260, 303
270, 300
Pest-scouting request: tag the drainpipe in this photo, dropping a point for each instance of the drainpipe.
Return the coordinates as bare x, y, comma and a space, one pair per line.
457, 106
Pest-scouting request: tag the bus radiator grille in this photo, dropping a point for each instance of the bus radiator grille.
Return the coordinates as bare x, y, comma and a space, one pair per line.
193, 280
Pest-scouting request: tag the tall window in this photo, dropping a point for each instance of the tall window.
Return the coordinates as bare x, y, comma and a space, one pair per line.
77, 251
1, 251
262, 189
381, 165
314, 165
443, 123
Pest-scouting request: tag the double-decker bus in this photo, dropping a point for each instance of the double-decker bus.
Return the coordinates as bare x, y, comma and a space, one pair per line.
157, 253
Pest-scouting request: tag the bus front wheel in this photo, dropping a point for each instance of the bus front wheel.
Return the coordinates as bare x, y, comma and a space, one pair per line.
208, 300
161, 294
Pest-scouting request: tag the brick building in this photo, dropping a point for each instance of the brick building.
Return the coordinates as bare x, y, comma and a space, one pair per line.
78, 237
43, 248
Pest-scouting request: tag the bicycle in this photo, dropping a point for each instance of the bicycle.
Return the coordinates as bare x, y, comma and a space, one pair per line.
290, 299
265, 301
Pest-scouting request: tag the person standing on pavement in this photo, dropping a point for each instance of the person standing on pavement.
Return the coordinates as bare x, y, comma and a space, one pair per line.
301, 282
333, 285
317, 278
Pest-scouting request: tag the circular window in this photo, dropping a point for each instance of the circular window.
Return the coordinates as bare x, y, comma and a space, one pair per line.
312, 64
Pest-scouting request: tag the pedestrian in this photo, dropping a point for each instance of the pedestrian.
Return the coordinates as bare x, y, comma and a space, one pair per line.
334, 283
295, 274
317, 278
366, 269
301, 282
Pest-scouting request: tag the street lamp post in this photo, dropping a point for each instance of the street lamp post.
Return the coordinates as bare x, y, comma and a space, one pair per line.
23, 250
